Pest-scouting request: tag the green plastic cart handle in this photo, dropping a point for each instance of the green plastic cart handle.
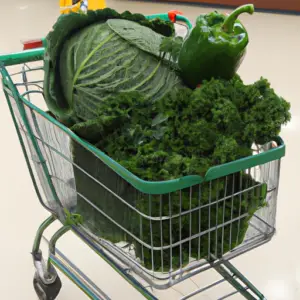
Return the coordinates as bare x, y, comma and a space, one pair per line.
22, 57
165, 17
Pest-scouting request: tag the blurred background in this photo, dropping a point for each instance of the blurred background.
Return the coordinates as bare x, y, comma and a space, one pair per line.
273, 52
287, 5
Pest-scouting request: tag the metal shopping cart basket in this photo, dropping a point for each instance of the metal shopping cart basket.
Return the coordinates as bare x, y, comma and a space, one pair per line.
157, 235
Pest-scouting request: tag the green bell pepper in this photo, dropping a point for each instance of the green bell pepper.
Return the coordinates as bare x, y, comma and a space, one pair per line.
215, 47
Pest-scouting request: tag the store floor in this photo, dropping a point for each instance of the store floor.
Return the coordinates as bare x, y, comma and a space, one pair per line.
273, 52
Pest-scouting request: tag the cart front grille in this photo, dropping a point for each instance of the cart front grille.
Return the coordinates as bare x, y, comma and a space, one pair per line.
162, 238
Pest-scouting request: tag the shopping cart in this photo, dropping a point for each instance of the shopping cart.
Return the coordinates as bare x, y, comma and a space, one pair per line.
148, 262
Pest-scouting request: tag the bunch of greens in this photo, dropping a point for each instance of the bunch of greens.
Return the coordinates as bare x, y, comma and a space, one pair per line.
188, 131
183, 133
91, 57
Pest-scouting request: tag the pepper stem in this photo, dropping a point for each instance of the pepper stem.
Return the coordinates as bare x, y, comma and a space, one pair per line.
230, 20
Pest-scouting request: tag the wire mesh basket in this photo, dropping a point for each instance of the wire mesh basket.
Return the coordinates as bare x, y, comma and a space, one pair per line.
165, 232
144, 228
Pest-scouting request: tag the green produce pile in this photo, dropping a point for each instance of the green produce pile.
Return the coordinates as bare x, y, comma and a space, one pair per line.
88, 59
189, 131
126, 85
181, 134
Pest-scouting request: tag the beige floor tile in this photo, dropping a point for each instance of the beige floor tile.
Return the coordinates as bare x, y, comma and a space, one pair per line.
273, 52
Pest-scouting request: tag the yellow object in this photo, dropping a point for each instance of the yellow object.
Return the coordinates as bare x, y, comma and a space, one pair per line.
96, 4
67, 6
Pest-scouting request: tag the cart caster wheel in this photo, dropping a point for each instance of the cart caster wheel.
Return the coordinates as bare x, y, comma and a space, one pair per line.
44, 291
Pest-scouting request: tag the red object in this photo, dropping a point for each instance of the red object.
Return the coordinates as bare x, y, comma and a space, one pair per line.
172, 15
33, 44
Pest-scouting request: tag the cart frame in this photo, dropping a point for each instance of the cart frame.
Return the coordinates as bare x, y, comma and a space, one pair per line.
46, 281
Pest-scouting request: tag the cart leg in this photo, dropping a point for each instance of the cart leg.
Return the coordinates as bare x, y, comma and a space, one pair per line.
46, 281
59, 233
38, 260
39, 234
234, 277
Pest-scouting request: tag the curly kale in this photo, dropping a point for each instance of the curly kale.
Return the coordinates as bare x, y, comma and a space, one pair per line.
212, 125
265, 114
184, 133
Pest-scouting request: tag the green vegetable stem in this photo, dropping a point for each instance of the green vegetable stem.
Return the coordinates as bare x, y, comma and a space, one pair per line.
231, 19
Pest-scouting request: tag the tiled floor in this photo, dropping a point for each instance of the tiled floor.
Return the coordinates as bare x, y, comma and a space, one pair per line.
273, 52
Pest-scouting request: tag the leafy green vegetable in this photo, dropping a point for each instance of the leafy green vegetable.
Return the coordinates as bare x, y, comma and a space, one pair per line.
214, 124
183, 133
88, 59
171, 46
215, 239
